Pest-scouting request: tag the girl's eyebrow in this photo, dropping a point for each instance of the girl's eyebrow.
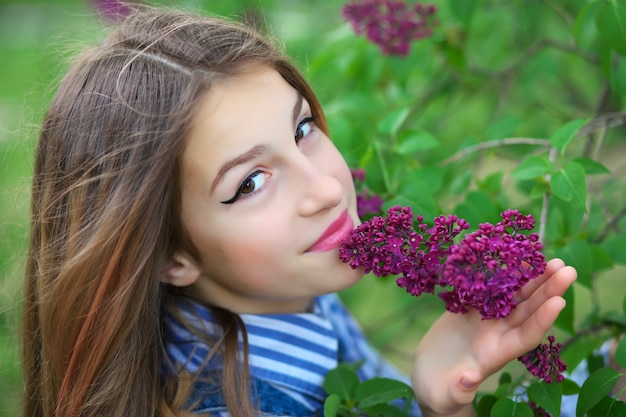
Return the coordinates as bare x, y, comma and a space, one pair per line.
297, 108
254, 151
238, 160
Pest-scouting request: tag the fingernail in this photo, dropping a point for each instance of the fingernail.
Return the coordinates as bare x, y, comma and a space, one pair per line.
468, 384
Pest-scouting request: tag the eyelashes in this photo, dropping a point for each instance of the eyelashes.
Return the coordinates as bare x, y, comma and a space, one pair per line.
255, 181
306, 123
249, 185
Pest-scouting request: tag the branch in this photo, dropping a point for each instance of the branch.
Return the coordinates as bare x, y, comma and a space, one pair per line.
612, 225
533, 50
546, 201
607, 120
494, 144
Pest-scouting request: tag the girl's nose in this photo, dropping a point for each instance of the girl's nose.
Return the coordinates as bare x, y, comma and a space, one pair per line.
319, 191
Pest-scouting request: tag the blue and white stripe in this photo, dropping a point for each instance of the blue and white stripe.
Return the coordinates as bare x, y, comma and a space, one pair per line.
293, 352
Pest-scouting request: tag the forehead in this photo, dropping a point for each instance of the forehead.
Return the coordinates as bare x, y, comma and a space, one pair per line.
238, 113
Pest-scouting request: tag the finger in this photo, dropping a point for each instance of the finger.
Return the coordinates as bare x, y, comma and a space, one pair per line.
552, 267
531, 332
556, 285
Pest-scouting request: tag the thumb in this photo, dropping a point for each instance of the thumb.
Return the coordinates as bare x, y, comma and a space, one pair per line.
466, 386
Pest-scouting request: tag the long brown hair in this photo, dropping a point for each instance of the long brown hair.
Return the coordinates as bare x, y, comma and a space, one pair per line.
105, 215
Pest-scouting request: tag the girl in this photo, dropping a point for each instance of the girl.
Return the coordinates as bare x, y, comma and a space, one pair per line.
187, 207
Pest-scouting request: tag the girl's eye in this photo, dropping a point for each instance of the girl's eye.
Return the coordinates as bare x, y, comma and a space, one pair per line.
250, 184
304, 128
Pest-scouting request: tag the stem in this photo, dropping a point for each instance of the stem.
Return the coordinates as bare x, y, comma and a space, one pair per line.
560, 11
494, 144
546, 200
383, 165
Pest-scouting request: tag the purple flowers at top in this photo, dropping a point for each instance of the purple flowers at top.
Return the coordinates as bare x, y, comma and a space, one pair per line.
112, 9
483, 271
391, 25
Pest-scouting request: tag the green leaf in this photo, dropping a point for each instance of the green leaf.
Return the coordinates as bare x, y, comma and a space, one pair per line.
331, 405
477, 208
503, 127
532, 167
599, 384
380, 391
614, 245
591, 167
584, 27
492, 183
463, 10
411, 141
504, 407
608, 407
565, 320
600, 259
461, 183
570, 185
417, 191
341, 381
620, 353
610, 21
523, 410
484, 405
504, 378
577, 253
562, 137
580, 348
392, 122
547, 396
618, 80
569, 387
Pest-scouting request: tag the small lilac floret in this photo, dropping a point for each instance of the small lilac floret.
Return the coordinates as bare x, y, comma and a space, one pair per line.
544, 361
367, 202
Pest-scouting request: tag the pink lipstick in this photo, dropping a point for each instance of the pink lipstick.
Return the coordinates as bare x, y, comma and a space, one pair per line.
334, 234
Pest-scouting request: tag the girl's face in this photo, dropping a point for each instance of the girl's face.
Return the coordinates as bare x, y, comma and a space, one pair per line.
266, 198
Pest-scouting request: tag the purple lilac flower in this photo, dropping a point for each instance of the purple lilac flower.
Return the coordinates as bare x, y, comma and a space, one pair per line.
491, 264
392, 246
390, 24
538, 411
483, 271
544, 361
112, 9
367, 202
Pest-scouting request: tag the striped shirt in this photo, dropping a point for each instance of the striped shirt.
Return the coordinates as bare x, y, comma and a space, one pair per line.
289, 356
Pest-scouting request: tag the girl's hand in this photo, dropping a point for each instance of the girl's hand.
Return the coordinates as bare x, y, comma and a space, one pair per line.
462, 350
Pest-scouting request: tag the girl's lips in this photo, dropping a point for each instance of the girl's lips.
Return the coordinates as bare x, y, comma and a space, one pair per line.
334, 234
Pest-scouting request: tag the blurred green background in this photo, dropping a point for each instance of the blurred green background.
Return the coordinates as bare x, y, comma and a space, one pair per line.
38, 37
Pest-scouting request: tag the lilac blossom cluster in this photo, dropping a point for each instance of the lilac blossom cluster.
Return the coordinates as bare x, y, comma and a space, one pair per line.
483, 271
367, 202
544, 361
391, 25
491, 264
112, 9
